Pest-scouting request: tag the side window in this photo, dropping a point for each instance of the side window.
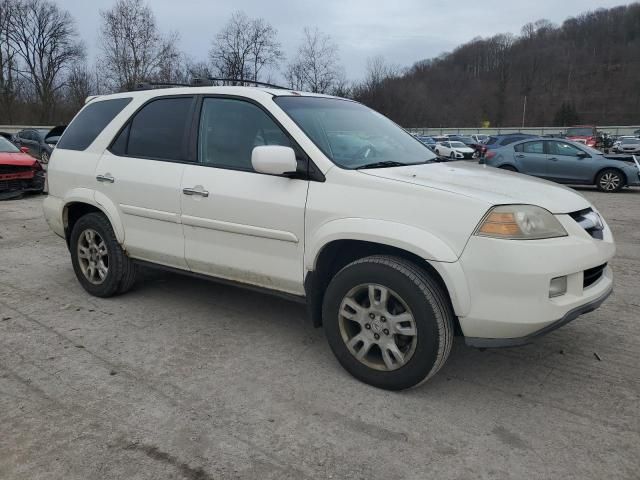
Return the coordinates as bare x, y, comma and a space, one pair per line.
563, 149
25, 135
230, 129
533, 147
158, 130
88, 124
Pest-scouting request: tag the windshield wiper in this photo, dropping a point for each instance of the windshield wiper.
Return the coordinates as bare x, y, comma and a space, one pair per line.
384, 164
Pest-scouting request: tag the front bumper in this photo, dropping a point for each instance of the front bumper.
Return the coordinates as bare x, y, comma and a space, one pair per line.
507, 284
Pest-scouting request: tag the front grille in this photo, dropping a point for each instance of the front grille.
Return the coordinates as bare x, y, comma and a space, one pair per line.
592, 275
11, 185
468, 156
590, 221
13, 169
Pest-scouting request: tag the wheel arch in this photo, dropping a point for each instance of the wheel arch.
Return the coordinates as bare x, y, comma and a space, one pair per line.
337, 253
80, 204
614, 167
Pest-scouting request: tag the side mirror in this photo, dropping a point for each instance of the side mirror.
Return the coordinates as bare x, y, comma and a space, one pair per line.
274, 160
24, 149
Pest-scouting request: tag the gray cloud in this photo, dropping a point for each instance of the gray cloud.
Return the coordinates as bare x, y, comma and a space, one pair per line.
404, 31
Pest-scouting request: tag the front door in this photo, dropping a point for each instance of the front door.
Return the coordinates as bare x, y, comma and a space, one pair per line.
239, 224
568, 164
140, 174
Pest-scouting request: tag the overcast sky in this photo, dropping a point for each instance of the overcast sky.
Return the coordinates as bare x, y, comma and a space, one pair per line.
403, 31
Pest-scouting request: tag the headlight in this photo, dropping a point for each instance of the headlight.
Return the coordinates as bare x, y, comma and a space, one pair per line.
520, 222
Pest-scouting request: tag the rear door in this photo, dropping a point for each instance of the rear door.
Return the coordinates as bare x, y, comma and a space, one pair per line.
140, 174
568, 164
530, 158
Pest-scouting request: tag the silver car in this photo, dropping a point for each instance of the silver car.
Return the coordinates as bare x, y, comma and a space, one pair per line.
567, 162
627, 145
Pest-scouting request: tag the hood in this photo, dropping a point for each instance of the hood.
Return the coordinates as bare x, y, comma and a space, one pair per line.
17, 159
495, 186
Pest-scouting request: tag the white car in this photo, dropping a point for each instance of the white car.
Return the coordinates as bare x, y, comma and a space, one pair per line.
454, 150
324, 201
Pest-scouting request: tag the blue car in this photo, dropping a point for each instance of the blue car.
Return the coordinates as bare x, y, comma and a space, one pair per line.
428, 141
567, 162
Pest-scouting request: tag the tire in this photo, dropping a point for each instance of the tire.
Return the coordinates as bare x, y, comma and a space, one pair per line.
411, 294
610, 180
437, 152
508, 168
452, 156
101, 274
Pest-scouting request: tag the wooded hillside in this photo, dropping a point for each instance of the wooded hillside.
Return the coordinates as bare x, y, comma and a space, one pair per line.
587, 70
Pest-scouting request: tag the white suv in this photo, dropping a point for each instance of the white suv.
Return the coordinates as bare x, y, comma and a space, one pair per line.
328, 202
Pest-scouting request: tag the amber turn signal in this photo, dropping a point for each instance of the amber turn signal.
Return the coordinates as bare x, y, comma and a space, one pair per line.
498, 224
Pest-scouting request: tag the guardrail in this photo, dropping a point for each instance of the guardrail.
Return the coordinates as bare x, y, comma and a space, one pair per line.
613, 130
17, 128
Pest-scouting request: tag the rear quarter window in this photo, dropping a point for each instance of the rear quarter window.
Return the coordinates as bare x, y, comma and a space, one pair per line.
88, 124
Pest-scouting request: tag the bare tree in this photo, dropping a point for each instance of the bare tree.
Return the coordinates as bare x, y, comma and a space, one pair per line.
245, 47
133, 50
45, 40
80, 84
8, 62
316, 64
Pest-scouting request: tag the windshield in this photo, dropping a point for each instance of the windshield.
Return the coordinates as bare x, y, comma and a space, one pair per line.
458, 145
7, 147
579, 132
352, 135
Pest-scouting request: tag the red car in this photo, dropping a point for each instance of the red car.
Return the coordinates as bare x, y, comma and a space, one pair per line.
19, 172
587, 134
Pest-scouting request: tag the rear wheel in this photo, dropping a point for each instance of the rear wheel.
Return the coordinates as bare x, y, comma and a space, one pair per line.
99, 262
610, 180
388, 322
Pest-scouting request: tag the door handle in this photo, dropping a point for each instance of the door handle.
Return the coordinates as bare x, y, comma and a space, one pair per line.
553, 159
105, 178
520, 156
195, 191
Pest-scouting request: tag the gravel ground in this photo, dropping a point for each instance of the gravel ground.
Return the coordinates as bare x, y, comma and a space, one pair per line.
187, 379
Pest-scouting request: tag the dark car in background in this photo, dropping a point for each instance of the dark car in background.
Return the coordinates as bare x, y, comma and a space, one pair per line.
428, 141
39, 141
568, 162
499, 141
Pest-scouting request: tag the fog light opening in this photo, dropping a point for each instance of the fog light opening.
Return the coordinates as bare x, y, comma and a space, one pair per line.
558, 287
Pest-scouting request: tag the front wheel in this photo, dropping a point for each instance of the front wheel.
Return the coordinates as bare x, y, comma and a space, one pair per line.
610, 180
388, 322
99, 262
452, 156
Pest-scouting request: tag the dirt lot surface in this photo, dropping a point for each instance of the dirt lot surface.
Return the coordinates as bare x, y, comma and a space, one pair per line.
187, 379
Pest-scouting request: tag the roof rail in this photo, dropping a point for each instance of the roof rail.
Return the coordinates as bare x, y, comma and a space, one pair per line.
153, 85
204, 82
237, 81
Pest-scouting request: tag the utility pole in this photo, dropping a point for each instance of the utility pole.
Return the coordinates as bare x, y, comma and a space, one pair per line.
524, 110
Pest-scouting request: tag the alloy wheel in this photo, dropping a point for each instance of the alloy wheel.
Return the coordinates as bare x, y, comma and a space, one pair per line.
377, 327
610, 181
93, 256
